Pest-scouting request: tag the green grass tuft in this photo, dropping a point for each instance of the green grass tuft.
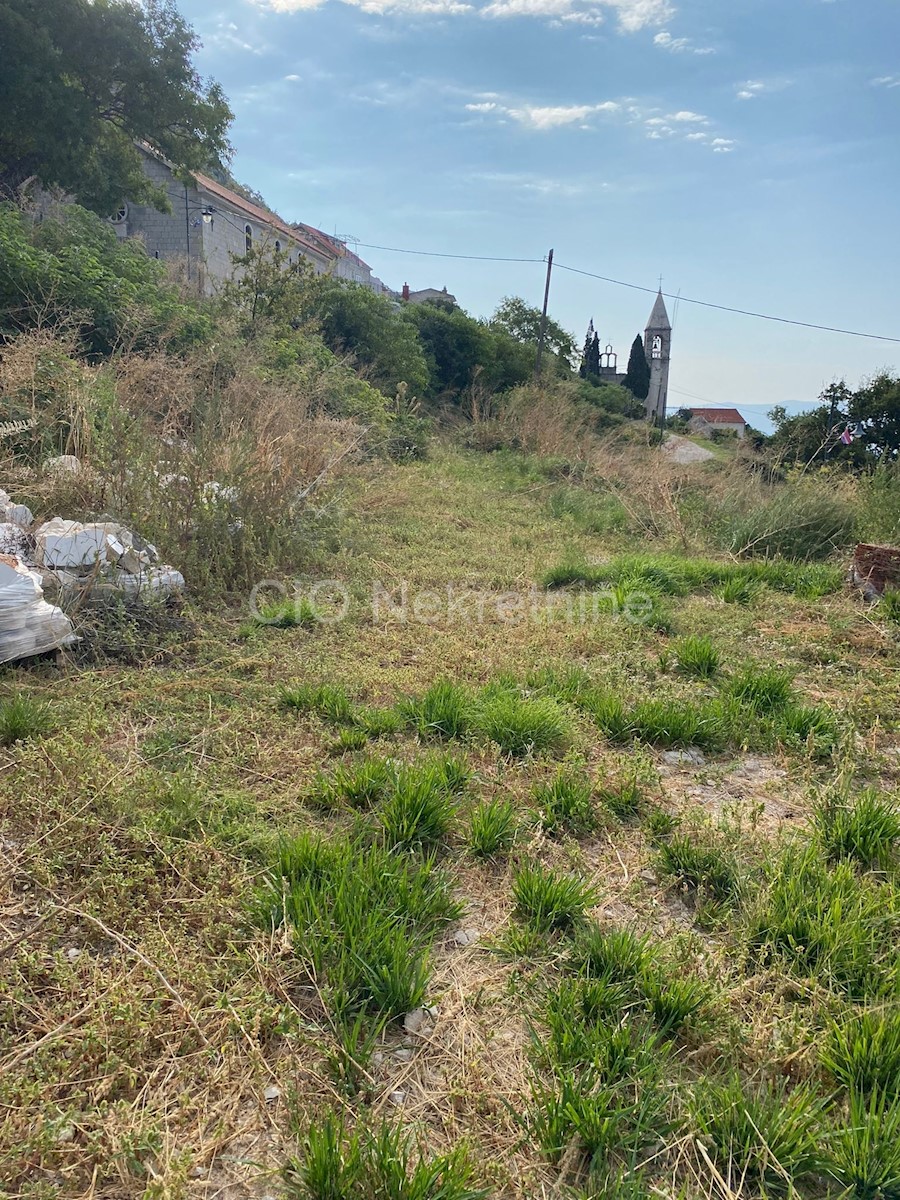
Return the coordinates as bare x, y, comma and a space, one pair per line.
362, 920
866, 829
445, 711
699, 864
22, 718
763, 689
737, 591
325, 699
547, 900
624, 801
524, 726
862, 1052
289, 614
764, 1132
865, 1152
888, 607
697, 656
617, 956
566, 805
421, 809
673, 1000
492, 829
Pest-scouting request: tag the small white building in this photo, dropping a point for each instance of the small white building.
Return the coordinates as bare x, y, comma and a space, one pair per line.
705, 420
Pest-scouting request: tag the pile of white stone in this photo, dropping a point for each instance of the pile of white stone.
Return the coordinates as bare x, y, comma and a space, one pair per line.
67, 557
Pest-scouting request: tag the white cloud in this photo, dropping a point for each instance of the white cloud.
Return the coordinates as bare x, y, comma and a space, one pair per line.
544, 116
291, 78
696, 137
631, 15
887, 81
227, 36
722, 145
686, 116
680, 45
750, 90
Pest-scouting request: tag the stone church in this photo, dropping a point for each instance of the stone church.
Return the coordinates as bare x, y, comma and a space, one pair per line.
657, 347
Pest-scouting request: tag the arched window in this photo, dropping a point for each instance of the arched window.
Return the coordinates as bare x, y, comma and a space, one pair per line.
248, 238
277, 246
656, 352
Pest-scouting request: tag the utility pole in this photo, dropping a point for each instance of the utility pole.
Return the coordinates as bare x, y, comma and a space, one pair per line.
540, 349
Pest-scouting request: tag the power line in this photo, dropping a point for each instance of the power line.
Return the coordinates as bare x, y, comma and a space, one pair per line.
678, 298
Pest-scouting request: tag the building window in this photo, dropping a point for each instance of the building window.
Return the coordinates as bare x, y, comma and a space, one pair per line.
120, 216
657, 347
277, 247
248, 238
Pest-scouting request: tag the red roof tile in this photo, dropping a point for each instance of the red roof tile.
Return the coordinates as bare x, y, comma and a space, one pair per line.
719, 416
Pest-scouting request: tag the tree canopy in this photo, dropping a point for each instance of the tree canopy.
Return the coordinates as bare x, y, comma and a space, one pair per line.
522, 322
82, 80
637, 375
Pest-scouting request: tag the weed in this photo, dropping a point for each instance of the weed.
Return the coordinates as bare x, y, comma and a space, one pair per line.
362, 786
420, 811
566, 805
289, 614
615, 955
865, 1152
677, 723
22, 718
524, 726
348, 740
624, 801
863, 1052
737, 591
378, 722
445, 711
492, 829
378, 1165
362, 920
574, 1011
766, 1132
673, 1000
327, 700
702, 865
833, 924
810, 727
763, 689
865, 829
356, 1035
547, 900
697, 656
455, 774
659, 824
888, 606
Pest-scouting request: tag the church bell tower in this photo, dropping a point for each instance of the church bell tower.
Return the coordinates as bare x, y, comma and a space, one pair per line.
657, 345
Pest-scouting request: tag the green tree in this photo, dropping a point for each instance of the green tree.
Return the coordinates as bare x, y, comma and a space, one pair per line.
876, 407
637, 376
455, 346
82, 80
353, 320
584, 369
523, 322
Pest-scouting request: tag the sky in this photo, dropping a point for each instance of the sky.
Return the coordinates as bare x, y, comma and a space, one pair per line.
746, 151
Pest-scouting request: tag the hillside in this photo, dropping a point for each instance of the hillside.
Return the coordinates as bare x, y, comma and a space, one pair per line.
664, 895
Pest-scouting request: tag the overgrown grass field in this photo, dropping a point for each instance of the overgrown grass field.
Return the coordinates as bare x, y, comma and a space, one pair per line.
501, 892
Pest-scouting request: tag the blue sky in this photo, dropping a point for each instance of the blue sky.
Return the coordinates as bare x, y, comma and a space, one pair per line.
745, 150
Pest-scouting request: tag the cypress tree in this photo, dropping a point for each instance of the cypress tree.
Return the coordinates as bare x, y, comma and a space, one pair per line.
637, 377
595, 356
584, 369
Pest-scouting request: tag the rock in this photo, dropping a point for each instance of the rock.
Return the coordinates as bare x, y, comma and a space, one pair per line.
65, 1134
398, 1098
465, 937
13, 539
64, 464
420, 1020
271, 1093
403, 1054
648, 876
149, 579
18, 514
683, 758
73, 954
60, 543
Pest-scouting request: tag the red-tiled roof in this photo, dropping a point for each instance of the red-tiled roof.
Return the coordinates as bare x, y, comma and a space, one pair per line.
719, 416
260, 214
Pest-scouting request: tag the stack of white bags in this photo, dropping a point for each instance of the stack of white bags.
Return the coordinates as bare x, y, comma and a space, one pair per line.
28, 624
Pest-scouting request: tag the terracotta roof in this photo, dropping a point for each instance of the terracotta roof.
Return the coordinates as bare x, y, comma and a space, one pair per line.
260, 214
719, 416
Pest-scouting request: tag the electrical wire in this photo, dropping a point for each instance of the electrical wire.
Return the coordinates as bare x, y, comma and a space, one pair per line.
678, 298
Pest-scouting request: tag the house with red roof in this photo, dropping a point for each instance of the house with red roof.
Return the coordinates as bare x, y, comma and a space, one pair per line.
705, 420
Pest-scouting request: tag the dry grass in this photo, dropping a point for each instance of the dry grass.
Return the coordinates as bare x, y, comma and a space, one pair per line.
158, 1042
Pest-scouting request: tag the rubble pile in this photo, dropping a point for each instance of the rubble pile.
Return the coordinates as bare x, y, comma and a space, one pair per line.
67, 558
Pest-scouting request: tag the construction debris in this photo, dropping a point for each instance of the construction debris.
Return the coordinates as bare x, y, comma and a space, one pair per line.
28, 624
875, 569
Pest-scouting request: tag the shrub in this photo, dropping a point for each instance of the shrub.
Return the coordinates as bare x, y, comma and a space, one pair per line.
865, 1152
801, 520
865, 829
362, 920
445, 711
524, 726
21, 718
765, 1132
697, 656
547, 900
863, 1052
492, 829
566, 805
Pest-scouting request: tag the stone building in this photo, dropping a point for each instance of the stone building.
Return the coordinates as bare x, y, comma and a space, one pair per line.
209, 223
657, 347
424, 295
706, 420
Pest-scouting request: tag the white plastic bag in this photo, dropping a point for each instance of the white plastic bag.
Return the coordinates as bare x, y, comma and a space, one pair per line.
28, 624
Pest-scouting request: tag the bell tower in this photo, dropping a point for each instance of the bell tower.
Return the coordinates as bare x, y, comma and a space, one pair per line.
657, 345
